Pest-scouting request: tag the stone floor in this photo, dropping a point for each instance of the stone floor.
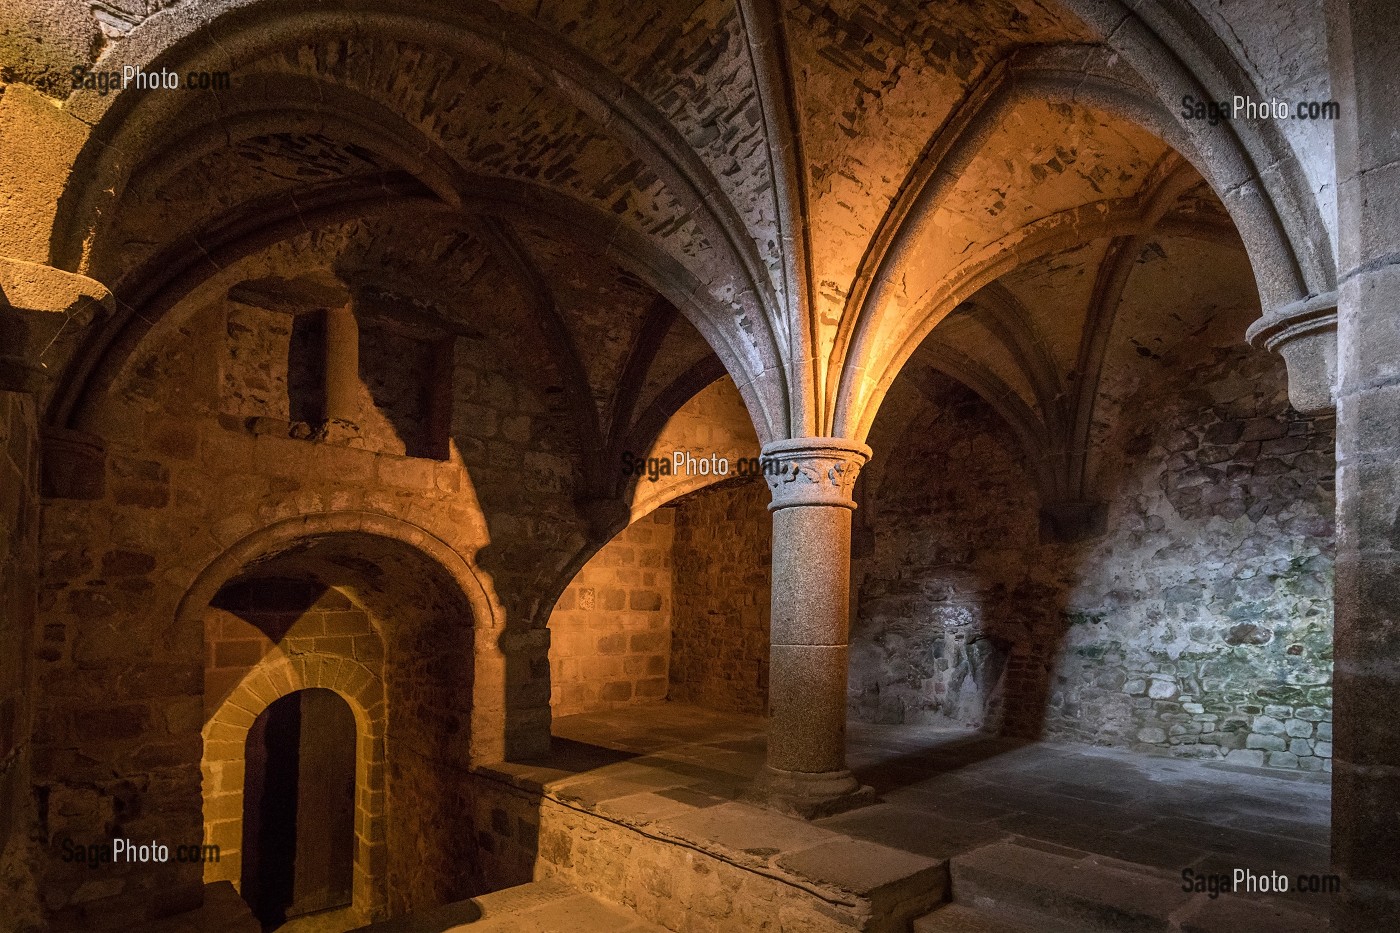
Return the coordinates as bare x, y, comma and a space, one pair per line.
678, 771
539, 907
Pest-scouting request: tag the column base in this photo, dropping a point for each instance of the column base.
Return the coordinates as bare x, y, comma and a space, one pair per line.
806, 795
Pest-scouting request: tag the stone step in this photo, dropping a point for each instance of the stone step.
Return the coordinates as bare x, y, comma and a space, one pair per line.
547, 906
1013, 879
1025, 888
956, 918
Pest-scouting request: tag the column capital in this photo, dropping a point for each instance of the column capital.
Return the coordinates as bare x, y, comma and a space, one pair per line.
37, 303
813, 471
1304, 333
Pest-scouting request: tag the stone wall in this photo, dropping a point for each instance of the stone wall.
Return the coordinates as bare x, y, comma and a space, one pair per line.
1219, 566
610, 632
19, 524
184, 486
1199, 625
945, 594
250, 625
273, 377
719, 655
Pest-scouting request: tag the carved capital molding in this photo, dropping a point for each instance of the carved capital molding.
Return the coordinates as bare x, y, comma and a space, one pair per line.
37, 303
813, 471
1305, 335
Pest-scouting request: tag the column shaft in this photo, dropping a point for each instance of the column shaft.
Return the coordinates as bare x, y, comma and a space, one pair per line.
342, 365
1365, 42
807, 683
811, 480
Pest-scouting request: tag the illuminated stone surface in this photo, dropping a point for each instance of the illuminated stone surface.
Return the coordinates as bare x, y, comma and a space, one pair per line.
374, 314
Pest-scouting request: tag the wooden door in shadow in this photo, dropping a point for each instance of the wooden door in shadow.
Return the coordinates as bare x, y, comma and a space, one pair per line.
299, 807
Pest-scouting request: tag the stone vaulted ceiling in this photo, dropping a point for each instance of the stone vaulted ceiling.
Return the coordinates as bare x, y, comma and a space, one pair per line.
813, 185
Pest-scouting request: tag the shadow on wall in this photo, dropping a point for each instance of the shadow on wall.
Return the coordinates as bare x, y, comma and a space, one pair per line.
1199, 625
723, 593
947, 623
674, 607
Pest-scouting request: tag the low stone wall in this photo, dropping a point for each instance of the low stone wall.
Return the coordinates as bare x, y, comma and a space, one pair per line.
675, 886
505, 823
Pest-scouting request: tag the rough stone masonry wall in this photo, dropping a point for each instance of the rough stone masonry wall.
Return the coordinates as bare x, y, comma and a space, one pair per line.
19, 522
944, 595
183, 485
719, 629
610, 632
1199, 625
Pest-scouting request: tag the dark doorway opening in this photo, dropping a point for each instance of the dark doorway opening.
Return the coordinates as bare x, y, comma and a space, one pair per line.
299, 807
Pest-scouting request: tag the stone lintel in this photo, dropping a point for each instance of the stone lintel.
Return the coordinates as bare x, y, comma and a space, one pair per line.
1304, 333
813, 471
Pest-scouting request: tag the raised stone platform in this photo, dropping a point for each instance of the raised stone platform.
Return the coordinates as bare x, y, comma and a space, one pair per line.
642, 809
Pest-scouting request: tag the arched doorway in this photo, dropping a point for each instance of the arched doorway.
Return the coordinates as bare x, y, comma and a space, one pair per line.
299, 807
385, 630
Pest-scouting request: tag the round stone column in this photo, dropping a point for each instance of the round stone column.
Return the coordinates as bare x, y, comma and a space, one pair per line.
811, 480
342, 364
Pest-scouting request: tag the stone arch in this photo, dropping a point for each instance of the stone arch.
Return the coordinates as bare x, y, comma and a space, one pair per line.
488, 728
1277, 225
226, 736
731, 301
383, 679
1174, 49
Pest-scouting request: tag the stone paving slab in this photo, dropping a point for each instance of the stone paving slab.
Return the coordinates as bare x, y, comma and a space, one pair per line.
747, 833
546, 906
865, 868
1014, 878
1238, 915
647, 807
946, 792
913, 830
1031, 886
957, 918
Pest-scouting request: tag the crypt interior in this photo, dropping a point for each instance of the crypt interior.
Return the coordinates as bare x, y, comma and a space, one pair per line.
362, 401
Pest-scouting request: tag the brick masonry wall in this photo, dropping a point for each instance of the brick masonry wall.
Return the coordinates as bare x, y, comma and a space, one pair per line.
19, 522
610, 632
723, 547
1199, 625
